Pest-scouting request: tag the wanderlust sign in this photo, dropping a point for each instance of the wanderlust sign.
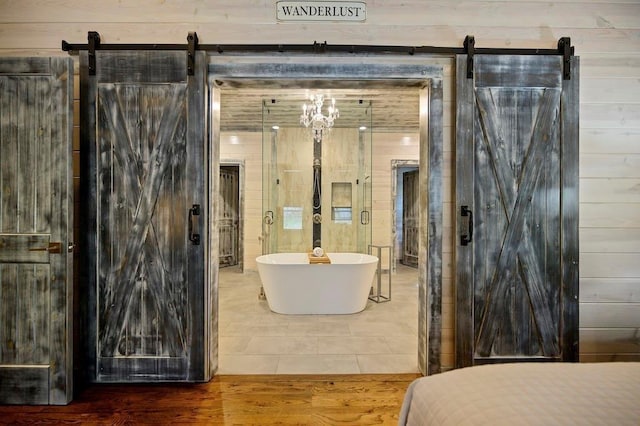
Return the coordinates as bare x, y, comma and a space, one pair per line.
321, 11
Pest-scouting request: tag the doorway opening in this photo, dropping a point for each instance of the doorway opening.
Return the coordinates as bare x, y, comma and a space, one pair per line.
246, 78
405, 212
230, 219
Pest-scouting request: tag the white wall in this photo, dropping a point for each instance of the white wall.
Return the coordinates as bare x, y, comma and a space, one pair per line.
247, 146
605, 33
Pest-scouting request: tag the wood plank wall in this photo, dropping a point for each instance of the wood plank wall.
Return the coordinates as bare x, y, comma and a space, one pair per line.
605, 33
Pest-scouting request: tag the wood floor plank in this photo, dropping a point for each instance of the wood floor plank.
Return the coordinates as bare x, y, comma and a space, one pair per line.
370, 399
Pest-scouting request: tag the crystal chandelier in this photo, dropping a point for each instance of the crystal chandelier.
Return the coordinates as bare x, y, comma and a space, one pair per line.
312, 115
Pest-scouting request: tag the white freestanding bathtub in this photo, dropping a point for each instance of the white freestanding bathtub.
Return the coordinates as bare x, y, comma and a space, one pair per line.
294, 286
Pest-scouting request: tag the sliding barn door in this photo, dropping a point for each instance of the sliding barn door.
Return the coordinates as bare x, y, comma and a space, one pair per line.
517, 210
36, 226
147, 161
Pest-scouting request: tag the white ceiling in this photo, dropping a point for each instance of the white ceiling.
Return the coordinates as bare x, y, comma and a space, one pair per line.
383, 109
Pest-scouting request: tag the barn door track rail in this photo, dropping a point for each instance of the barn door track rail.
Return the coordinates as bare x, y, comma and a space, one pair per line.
564, 49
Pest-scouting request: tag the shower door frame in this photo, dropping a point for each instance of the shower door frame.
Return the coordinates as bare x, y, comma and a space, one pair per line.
354, 71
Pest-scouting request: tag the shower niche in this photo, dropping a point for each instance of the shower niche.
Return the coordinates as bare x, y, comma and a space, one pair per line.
316, 186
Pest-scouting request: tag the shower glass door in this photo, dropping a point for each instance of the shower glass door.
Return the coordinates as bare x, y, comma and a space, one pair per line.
269, 238
316, 191
365, 139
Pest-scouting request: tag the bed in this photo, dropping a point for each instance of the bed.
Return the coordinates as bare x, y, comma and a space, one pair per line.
527, 394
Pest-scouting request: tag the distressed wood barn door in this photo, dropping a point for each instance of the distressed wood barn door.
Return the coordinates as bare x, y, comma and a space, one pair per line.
517, 210
36, 226
147, 164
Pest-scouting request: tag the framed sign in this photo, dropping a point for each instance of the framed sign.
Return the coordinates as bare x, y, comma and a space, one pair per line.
321, 11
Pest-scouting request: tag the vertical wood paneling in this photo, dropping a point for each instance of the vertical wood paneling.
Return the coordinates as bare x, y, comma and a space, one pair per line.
8, 314
32, 327
35, 192
465, 175
201, 159
9, 150
45, 170
92, 233
25, 152
4, 151
211, 309
431, 221
570, 246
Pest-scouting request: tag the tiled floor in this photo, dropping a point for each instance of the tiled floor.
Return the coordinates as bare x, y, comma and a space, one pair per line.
380, 339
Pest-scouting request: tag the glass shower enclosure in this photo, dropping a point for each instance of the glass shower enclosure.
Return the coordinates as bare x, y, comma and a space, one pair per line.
316, 189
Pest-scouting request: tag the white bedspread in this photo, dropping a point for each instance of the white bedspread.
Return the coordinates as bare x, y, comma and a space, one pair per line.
527, 394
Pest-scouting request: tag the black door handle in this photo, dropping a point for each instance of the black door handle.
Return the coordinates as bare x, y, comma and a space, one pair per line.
465, 239
194, 237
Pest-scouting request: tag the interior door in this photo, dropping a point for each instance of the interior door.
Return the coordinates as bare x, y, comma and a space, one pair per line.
228, 217
517, 210
36, 224
147, 159
410, 218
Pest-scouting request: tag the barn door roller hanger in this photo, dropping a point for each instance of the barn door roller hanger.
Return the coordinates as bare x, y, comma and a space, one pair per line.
564, 49
93, 44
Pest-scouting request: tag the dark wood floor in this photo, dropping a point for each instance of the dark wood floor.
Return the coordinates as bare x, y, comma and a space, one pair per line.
240, 400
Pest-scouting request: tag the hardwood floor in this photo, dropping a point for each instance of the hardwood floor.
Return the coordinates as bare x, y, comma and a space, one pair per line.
239, 400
